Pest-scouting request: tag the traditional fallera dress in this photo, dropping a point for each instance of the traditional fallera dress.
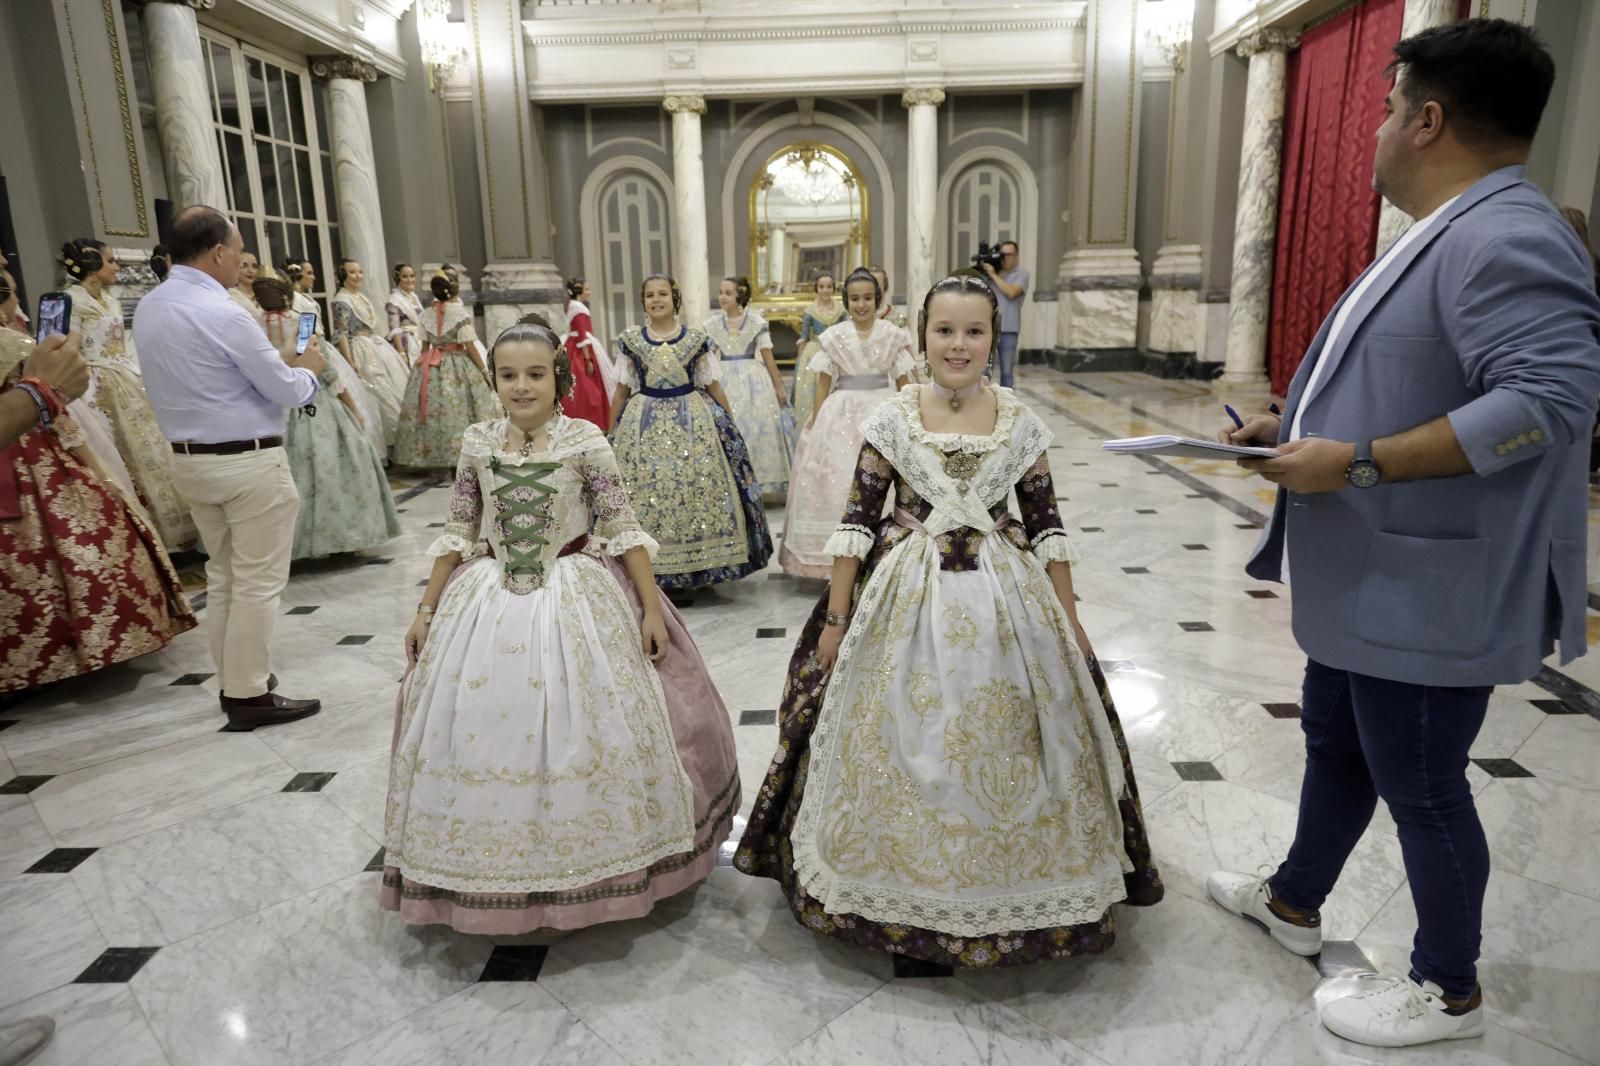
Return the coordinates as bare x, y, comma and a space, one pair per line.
446, 393
547, 775
345, 502
405, 323
245, 300
685, 463
593, 378
813, 324
825, 457
958, 789
117, 391
382, 368
371, 416
756, 410
84, 580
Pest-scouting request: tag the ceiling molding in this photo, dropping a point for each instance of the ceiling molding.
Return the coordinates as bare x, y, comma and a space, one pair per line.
1053, 77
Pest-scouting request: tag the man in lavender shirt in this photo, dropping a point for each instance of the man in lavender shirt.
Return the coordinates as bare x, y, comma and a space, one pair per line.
221, 394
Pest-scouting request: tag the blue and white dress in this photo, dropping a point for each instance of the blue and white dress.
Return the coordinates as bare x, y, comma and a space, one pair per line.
756, 408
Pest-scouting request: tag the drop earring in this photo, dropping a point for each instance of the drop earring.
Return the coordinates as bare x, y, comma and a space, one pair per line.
927, 368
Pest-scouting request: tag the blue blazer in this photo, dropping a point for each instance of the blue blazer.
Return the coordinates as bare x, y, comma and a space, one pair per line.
1489, 318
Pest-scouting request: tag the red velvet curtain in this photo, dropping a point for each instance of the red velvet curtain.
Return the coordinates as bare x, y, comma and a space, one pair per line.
1327, 210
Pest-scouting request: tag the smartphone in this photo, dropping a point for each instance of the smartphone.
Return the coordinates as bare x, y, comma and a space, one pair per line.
308, 326
55, 314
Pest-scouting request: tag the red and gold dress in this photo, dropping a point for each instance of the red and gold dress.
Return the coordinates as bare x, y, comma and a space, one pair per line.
591, 384
84, 580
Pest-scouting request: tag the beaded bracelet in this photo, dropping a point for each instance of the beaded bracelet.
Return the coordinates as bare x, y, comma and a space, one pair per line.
45, 416
47, 391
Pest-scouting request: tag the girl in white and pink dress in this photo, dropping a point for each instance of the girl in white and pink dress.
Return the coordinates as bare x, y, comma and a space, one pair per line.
561, 757
862, 362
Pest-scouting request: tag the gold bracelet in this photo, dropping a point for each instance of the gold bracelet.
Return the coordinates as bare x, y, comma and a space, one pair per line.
836, 619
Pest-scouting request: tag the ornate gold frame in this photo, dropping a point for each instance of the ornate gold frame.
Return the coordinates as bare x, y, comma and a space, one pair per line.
788, 307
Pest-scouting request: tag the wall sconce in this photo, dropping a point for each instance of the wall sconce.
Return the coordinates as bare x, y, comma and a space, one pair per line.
1169, 25
439, 51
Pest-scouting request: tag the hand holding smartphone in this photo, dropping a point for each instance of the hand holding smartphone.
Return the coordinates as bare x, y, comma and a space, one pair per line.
55, 314
308, 327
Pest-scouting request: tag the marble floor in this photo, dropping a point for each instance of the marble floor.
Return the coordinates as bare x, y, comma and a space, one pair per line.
176, 895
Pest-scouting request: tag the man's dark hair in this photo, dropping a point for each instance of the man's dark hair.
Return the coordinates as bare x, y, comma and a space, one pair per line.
1013, 244
196, 231
1491, 76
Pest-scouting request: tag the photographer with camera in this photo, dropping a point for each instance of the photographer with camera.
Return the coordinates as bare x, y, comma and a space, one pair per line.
1009, 282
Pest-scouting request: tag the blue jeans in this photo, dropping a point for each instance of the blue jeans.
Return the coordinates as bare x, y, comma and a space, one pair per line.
1008, 358
1365, 738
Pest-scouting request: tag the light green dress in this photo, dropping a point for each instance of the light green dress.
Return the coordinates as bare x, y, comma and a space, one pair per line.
345, 502
457, 396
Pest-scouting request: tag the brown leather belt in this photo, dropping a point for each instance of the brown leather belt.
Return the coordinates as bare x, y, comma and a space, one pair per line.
226, 447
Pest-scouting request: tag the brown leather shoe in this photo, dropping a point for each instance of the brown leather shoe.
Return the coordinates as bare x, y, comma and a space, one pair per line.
267, 709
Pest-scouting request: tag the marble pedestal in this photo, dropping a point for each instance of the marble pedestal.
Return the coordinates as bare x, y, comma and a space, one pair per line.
1175, 323
1098, 303
511, 290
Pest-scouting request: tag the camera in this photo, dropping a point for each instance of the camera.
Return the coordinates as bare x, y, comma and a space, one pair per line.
988, 253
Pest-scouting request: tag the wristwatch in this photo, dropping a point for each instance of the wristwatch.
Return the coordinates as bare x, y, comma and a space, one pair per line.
1362, 472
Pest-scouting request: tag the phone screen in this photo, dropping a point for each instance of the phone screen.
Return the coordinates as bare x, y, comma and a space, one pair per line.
55, 312
308, 326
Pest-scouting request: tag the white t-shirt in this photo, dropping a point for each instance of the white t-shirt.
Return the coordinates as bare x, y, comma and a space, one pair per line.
1417, 229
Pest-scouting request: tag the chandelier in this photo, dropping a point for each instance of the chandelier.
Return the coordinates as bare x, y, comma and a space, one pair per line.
439, 50
1168, 28
809, 176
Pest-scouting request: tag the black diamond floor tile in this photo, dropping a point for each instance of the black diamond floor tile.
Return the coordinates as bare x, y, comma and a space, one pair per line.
1503, 768
115, 966
61, 861
1108, 484
23, 784
1547, 706
1246, 525
1283, 710
780, 576
1195, 548
1197, 771
383, 561
1135, 569
1080, 464
1090, 529
356, 638
1261, 594
1147, 510
376, 864
904, 967
193, 679
309, 782
423, 583
1197, 627
767, 633
435, 525
514, 962
757, 717
308, 609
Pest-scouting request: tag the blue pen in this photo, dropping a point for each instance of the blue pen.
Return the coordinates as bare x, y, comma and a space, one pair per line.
1237, 421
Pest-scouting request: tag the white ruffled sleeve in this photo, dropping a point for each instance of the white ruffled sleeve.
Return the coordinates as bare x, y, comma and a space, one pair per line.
614, 520
627, 373
851, 541
708, 368
823, 361
905, 360
463, 528
1055, 546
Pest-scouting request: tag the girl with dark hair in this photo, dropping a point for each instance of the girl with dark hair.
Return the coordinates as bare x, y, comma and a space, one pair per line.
449, 387
952, 783
345, 502
594, 379
824, 311
302, 275
680, 452
755, 388
87, 582
355, 331
614, 780
404, 308
117, 391
859, 364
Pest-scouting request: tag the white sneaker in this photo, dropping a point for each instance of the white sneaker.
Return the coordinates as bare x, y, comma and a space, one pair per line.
1247, 897
1398, 1012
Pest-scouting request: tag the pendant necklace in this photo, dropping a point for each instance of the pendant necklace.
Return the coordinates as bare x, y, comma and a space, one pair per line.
956, 397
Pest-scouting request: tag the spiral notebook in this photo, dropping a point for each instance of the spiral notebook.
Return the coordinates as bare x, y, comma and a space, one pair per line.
1184, 448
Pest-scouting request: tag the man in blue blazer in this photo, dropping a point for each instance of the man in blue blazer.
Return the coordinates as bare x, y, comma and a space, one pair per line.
1431, 505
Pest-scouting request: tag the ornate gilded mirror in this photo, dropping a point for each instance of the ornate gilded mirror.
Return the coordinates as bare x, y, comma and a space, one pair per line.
808, 216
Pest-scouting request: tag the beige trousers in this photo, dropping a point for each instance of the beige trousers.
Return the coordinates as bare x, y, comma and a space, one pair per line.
245, 507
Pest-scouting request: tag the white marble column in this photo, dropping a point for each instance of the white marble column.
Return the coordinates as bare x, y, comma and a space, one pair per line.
1175, 322
1419, 15
1256, 223
777, 257
355, 174
922, 191
691, 261
183, 103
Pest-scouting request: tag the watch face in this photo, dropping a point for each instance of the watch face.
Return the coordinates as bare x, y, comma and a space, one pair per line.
1363, 474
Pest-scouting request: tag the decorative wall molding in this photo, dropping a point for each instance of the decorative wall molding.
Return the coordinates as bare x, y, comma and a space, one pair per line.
1021, 133
198, 5
302, 21
685, 103
589, 216
660, 144
540, 34
927, 95
1266, 41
